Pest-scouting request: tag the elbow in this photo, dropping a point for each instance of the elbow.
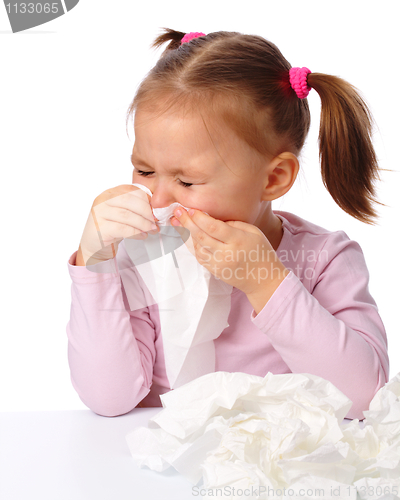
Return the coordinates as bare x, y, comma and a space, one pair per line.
364, 381
111, 412
363, 393
112, 403
114, 408
357, 410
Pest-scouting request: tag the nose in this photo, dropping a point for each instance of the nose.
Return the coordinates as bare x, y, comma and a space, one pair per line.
162, 195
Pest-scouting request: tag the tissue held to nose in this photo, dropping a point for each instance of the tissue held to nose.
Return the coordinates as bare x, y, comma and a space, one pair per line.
173, 280
163, 214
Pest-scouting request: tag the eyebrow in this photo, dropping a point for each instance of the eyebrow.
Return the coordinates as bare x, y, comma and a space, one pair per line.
173, 171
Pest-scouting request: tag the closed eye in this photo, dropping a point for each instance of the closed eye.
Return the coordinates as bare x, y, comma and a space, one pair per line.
185, 184
146, 173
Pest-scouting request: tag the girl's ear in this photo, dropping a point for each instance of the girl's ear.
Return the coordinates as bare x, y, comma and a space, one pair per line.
280, 175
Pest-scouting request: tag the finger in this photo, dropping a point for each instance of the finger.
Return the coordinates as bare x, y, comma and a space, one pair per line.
138, 236
115, 231
139, 202
135, 201
199, 240
123, 216
203, 227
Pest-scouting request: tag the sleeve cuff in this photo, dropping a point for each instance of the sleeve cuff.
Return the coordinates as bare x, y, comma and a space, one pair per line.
92, 274
278, 303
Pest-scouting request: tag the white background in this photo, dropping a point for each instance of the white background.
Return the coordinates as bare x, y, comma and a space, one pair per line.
65, 88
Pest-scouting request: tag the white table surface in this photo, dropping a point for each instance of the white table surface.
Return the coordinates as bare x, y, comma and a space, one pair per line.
78, 455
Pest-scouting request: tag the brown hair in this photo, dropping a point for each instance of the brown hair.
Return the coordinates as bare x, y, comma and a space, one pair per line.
244, 80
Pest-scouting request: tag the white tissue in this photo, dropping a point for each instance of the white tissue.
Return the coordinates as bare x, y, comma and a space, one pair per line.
193, 304
163, 214
280, 431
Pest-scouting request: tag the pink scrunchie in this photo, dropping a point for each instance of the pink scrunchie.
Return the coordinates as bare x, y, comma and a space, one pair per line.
298, 81
190, 36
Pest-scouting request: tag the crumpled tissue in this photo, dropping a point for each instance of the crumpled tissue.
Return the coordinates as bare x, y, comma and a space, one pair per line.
193, 304
262, 435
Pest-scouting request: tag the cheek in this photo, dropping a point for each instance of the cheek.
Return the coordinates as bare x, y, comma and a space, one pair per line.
240, 209
213, 205
223, 209
222, 206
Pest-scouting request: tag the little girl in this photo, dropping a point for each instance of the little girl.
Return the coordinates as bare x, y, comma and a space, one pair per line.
219, 124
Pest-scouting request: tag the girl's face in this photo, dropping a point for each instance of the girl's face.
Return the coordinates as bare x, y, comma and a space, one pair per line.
212, 170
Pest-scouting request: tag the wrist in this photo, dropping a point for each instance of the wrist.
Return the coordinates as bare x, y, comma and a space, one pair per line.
87, 259
264, 290
79, 260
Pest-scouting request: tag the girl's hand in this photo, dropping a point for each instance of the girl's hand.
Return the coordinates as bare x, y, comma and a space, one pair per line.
121, 212
235, 252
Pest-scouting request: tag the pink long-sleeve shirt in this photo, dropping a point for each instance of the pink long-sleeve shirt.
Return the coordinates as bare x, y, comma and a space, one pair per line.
321, 320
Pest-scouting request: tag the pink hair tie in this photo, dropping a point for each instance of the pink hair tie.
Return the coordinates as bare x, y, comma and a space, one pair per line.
190, 36
298, 81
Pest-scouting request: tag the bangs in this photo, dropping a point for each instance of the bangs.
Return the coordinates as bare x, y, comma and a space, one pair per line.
229, 108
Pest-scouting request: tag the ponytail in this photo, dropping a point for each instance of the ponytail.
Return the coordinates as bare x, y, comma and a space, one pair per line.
172, 36
349, 166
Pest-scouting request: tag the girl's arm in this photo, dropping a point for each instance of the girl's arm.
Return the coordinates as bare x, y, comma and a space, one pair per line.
111, 348
328, 324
